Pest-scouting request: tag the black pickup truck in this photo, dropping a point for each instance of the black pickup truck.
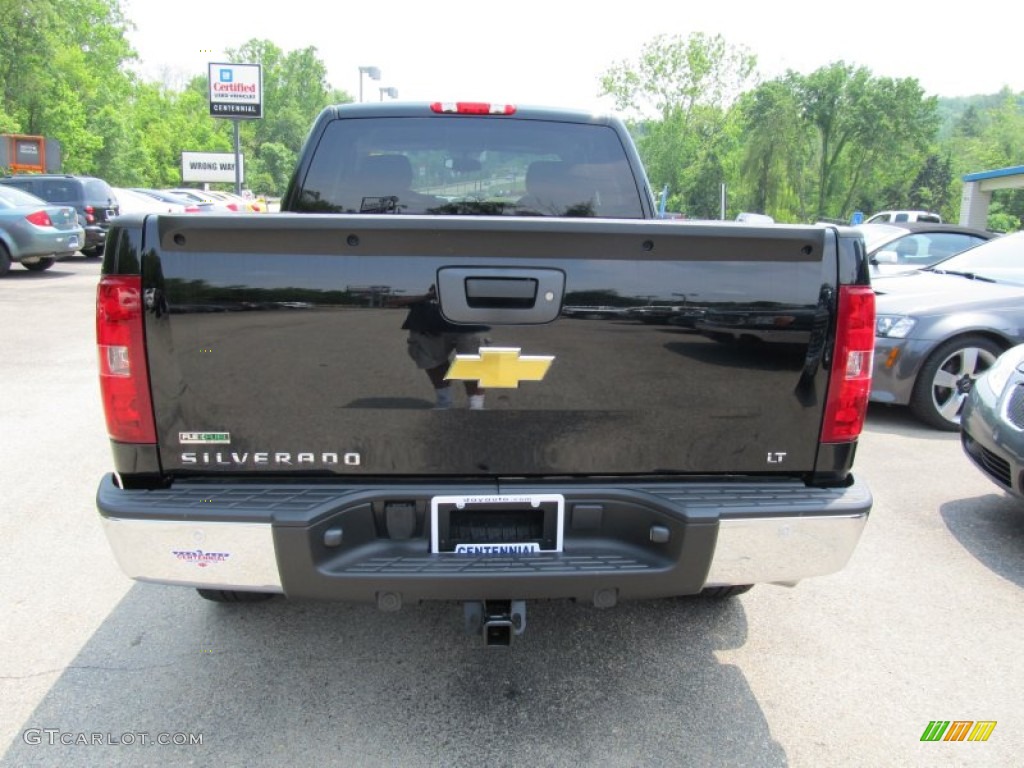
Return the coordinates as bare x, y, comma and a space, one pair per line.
389, 392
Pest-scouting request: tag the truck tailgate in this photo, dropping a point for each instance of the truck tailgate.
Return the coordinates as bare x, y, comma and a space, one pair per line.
276, 344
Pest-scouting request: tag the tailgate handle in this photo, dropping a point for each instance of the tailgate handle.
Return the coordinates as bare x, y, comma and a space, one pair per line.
500, 295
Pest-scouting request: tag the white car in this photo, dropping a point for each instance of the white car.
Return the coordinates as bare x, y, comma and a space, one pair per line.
220, 202
136, 202
883, 217
755, 218
211, 201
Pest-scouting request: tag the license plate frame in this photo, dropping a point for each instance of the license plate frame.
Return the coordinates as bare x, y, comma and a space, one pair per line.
550, 505
73, 242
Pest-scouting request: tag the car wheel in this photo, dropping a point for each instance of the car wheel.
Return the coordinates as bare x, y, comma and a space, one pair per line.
946, 379
39, 266
5, 260
93, 253
233, 596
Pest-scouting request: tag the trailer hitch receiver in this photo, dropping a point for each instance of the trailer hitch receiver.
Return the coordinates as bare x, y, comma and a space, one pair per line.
496, 620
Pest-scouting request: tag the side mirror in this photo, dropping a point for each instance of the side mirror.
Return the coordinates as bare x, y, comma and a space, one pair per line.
886, 257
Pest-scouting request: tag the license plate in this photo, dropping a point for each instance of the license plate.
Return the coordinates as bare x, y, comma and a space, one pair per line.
73, 241
504, 524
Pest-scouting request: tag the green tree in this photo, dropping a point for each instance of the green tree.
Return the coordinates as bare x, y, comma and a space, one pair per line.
988, 135
167, 123
969, 123
62, 75
930, 189
865, 129
27, 41
679, 94
295, 90
677, 75
777, 145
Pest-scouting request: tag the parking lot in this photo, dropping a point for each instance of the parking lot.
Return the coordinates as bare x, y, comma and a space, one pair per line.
846, 670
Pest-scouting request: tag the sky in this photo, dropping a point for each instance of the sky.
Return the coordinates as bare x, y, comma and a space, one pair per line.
553, 52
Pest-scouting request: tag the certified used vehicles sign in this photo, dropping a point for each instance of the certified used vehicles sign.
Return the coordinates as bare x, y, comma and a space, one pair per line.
236, 90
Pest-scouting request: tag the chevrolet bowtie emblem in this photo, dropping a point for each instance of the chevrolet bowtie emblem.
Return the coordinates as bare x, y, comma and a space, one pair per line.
499, 367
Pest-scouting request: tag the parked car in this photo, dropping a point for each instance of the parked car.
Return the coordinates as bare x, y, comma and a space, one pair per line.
136, 202
939, 328
92, 198
992, 424
35, 233
200, 197
754, 218
187, 206
894, 248
220, 202
242, 205
904, 216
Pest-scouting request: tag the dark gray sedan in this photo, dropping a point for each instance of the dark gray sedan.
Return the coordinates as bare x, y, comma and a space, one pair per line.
34, 232
940, 328
992, 424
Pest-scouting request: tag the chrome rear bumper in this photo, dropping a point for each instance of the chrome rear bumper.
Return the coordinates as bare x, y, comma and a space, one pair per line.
208, 554
653, 541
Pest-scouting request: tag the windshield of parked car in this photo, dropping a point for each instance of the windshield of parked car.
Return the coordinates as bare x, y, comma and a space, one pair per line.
10, 197
918, 248
476, 166
1001, 259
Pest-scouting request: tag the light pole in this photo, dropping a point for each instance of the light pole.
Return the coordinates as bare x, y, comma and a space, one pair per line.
374, 74
392, 93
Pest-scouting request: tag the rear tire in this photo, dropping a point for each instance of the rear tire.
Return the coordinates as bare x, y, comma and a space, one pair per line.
5, 260
233, 596
947, 377
39, 266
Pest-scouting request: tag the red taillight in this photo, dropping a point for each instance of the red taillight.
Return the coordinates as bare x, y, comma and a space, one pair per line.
850, 381
40, 219
472, 108
90, 214
233, 207
191, 209
124, 377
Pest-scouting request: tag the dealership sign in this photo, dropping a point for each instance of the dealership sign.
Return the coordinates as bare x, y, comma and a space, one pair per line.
236, 90
210, 166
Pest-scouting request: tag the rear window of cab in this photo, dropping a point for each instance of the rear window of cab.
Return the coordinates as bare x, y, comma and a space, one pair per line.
470, 166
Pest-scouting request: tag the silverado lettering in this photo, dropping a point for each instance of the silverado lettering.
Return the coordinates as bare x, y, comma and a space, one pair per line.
695, 433
227, 459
